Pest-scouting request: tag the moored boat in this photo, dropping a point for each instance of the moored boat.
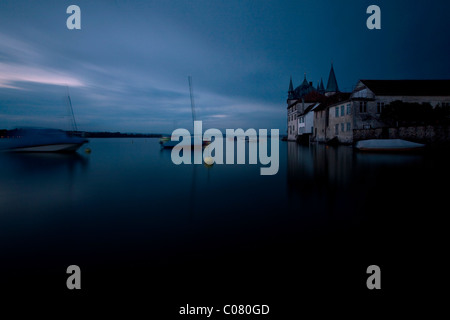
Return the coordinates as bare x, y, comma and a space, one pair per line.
40, 140
169, 144
388, 145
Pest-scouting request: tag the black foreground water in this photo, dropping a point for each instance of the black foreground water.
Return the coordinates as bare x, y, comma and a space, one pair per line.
162, 236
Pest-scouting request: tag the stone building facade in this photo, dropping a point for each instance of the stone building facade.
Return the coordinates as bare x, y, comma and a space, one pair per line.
371, 96
332, 118
348, 117
330, 115
340, 125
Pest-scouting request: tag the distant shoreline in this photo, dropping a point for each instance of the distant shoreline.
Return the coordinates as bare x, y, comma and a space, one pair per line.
106, 134
103, 134
121, 135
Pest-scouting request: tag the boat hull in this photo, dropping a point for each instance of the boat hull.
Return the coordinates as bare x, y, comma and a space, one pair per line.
388, 145
63, 147
41, 140
171, 144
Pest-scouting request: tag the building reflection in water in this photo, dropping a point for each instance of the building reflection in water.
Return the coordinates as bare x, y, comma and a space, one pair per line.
325, 179
318, 175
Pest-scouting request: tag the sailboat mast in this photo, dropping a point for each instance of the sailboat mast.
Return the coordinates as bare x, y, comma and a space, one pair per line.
71, 115
191, 92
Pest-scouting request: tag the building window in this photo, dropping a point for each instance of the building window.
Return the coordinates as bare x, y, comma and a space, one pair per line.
342, 111
348, 126
363, 106
349, 108
336, 113
380, 106
336, 129
342, 127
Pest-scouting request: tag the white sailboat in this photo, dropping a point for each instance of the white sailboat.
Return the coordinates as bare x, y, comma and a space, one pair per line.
44, 140
388, 145
41, 140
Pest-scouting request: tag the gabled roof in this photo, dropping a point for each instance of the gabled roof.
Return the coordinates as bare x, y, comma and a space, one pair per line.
408, 87
310, 108
339, 97
313, 96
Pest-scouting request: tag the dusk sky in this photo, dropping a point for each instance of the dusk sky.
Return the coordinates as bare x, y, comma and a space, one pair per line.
127, 67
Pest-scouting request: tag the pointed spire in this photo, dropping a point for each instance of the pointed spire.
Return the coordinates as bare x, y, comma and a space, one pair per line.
291, 90
321, 87
332, 85
305, 82
291, 86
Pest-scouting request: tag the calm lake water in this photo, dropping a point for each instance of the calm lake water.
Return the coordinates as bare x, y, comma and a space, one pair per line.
137, 224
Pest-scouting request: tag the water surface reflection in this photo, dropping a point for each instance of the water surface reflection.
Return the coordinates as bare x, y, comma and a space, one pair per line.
128, 206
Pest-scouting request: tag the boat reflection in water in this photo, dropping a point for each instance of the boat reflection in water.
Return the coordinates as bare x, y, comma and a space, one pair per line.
41, 140
35, 184
48, 164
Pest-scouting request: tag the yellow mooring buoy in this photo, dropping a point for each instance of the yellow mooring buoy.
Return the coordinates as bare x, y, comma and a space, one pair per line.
209, 161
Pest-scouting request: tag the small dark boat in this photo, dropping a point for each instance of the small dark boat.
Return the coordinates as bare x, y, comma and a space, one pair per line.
169, 144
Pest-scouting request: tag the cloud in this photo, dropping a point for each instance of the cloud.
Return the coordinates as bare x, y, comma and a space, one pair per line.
23, 62
15, 50
220, 116
12, 74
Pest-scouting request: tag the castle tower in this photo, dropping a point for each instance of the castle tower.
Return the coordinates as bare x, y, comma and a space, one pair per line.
332, 86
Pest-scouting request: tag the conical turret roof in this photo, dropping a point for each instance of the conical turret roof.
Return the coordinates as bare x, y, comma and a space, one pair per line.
291, 89
332, 85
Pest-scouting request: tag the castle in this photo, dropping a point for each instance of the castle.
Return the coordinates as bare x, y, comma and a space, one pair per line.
302, 100
316, 114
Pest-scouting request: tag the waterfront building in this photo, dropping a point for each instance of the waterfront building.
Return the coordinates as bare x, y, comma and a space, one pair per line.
371, 96
321, 114
303, 100
339, 116
333, 119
